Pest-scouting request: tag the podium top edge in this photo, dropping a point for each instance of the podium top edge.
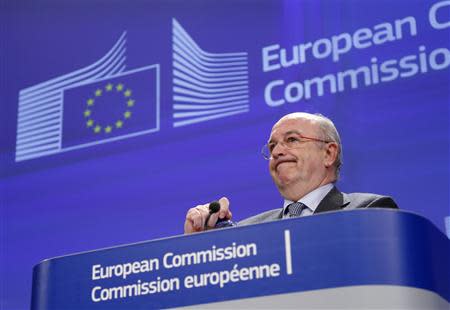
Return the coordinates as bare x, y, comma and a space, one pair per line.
213, 231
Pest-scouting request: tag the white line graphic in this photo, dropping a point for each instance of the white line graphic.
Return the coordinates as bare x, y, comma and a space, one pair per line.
36, 134
206, 85
287, 245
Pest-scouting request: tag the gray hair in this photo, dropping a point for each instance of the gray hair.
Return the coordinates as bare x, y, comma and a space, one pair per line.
330, 133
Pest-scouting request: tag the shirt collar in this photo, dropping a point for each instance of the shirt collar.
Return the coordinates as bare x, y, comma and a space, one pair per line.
312, 199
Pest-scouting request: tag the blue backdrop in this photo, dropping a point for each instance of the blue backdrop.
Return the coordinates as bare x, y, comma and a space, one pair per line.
119, 116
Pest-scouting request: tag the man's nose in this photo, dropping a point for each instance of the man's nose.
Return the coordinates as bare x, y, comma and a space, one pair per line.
279, 150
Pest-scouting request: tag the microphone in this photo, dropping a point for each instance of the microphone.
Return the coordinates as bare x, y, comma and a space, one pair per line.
214, 207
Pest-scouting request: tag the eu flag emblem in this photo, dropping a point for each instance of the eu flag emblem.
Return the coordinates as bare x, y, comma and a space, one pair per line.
115, 108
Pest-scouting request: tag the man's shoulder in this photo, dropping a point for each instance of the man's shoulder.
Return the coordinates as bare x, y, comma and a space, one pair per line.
368, 200
267, 216
336, 200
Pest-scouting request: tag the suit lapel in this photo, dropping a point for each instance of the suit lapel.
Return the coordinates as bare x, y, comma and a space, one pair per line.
279, 215
333, 201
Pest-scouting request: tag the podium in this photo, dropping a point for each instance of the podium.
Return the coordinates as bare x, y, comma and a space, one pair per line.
368, 258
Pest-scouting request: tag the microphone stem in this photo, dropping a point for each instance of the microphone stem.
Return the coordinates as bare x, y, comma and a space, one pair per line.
207, 220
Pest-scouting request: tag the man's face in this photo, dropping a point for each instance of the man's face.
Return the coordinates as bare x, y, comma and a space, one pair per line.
299, 170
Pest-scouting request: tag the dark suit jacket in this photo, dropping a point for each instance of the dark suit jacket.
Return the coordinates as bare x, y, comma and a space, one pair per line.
333, 201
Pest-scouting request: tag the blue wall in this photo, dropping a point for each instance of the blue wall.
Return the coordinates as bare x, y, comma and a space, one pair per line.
206, 89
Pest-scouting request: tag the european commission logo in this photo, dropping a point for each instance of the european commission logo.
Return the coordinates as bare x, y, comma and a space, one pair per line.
96, 104
103, 102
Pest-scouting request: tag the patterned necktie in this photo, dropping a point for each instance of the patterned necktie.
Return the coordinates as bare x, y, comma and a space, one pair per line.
295, 209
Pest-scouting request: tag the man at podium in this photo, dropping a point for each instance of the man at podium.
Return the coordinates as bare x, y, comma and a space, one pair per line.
304, 152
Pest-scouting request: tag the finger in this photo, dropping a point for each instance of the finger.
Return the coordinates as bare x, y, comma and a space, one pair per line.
195, 217
188, 228
193, 221
198, 220
229, 215
224, 206
189, 222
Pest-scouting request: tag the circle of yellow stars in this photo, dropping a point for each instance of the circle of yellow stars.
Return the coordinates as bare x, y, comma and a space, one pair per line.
98, 128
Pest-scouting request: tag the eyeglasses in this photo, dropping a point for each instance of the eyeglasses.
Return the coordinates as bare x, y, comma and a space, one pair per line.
290, 142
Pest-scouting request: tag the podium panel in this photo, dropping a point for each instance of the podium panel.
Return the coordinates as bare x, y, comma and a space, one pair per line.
358, 258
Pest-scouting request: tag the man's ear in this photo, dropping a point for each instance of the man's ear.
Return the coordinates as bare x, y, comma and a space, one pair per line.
331, 152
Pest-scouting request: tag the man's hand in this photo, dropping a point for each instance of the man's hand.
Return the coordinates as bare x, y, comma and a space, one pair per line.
196, 217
